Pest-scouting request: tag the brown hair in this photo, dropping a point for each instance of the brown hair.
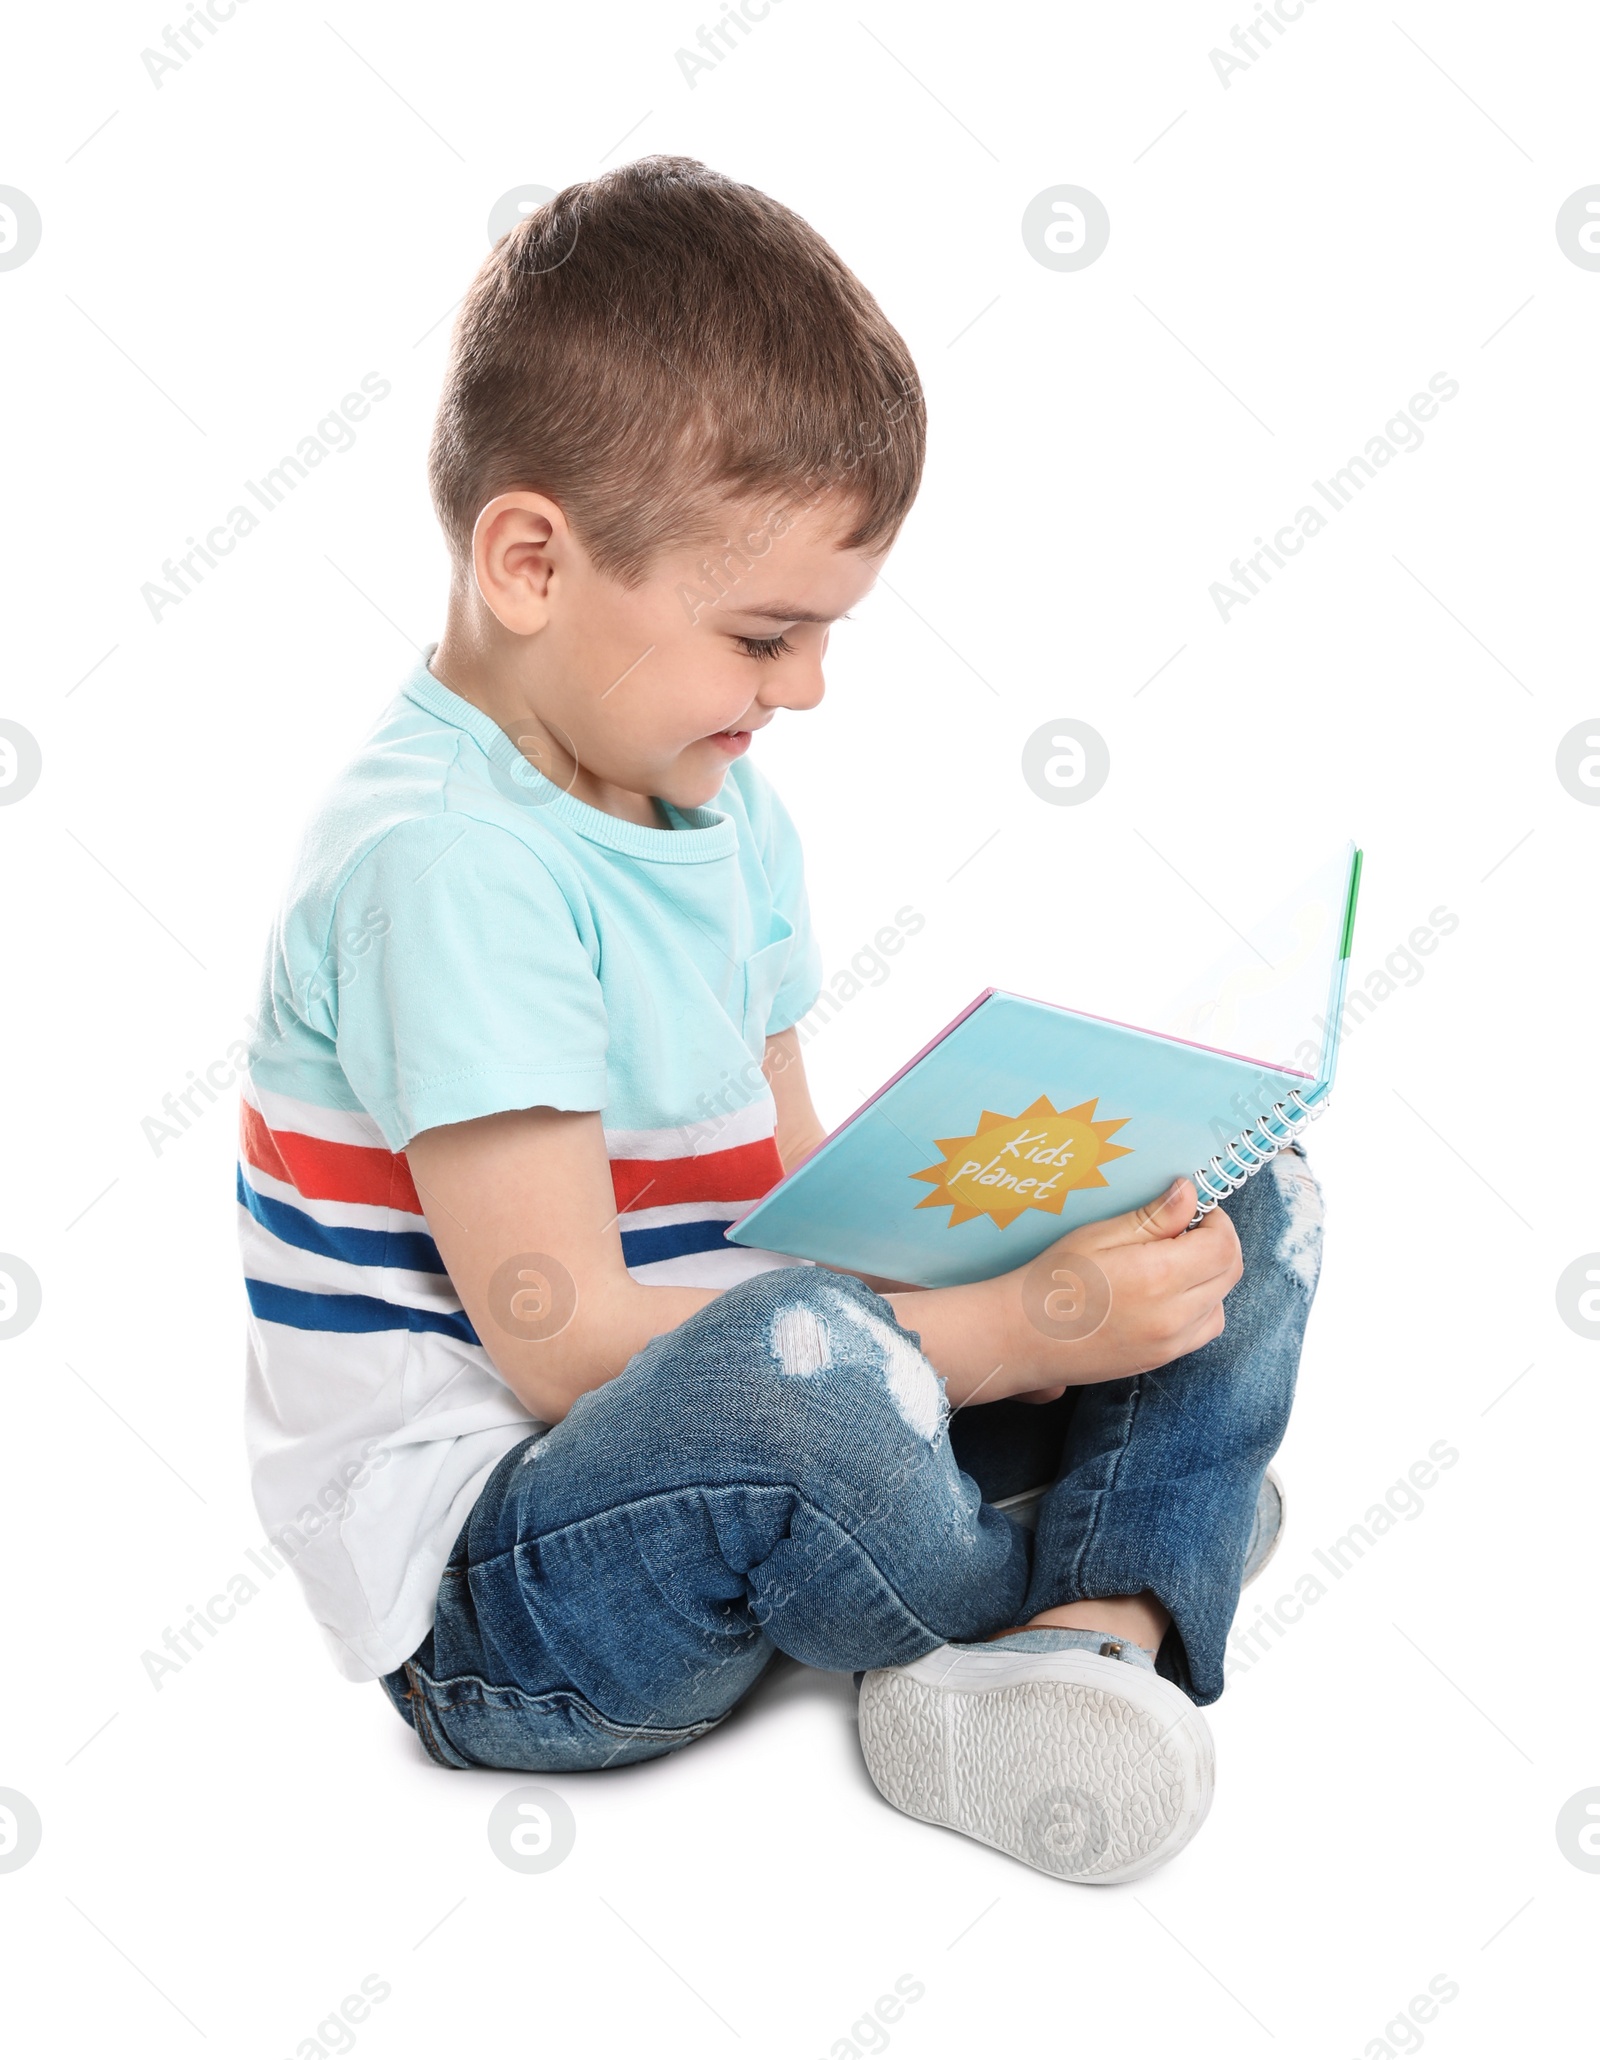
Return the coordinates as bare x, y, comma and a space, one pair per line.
661, 339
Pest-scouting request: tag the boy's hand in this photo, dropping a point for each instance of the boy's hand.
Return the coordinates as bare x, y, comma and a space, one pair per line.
1146, 1295
1107, 1300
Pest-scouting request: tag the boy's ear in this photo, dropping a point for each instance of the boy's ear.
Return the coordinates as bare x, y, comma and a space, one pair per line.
521, 544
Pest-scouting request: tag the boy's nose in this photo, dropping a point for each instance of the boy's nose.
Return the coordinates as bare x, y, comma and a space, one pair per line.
799, 683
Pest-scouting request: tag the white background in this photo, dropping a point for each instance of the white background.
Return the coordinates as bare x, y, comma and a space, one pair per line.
1371, 202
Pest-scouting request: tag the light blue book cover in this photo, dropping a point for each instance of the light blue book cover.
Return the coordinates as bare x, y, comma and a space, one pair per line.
1021, 1120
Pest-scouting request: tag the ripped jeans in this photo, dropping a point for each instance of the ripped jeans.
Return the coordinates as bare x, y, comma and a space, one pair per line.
781, 1474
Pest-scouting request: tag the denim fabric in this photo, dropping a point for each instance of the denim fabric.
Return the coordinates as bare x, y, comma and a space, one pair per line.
781, 1473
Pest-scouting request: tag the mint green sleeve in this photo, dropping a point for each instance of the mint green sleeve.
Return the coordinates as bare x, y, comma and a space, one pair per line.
784, 863
465, 981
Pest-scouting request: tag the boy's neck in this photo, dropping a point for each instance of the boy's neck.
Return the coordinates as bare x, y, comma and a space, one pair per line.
462, 663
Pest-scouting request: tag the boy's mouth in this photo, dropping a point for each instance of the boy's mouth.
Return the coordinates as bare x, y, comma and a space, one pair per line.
732, 741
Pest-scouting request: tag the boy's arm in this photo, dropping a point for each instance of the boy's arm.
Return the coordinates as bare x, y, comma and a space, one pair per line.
523, 1211
800, 1128
522, 1208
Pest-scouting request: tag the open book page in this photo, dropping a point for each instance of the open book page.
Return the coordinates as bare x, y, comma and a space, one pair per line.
1268, 996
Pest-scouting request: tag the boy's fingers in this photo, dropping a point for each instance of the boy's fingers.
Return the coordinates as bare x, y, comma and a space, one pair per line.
1207, 1258
1165, 1217
1206, 1261
1214, 1240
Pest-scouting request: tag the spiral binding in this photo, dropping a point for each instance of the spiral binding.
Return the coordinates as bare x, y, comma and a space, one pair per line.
1251, 1149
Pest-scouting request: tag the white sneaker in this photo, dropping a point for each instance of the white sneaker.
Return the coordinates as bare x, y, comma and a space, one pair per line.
1266, 1529
1063, 1748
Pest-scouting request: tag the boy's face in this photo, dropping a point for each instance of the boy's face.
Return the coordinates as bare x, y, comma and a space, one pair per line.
656, 689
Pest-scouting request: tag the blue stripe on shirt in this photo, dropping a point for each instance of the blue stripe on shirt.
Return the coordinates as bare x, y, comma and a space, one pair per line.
412, 1250
672, 1241
298, 1310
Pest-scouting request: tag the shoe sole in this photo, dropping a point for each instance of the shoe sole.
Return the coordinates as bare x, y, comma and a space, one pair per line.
1087, 1768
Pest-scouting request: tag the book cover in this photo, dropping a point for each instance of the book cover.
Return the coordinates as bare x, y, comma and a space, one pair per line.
1021, 1120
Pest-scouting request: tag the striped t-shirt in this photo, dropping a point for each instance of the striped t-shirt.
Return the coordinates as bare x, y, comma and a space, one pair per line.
459, 938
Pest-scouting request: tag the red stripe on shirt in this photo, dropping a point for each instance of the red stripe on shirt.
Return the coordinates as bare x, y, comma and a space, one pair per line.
742, 1174
328, 1172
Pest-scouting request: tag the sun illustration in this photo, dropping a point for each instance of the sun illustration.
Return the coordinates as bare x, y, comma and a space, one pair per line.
1013, 1163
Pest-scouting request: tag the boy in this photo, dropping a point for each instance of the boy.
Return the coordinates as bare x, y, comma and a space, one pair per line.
552, 1458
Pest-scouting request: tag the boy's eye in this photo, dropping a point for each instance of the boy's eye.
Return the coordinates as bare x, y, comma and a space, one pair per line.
764, 647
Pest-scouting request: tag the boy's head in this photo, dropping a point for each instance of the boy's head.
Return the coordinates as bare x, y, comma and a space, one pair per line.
674, 426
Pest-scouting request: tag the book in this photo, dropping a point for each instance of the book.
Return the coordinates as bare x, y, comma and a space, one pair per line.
1022, 1119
